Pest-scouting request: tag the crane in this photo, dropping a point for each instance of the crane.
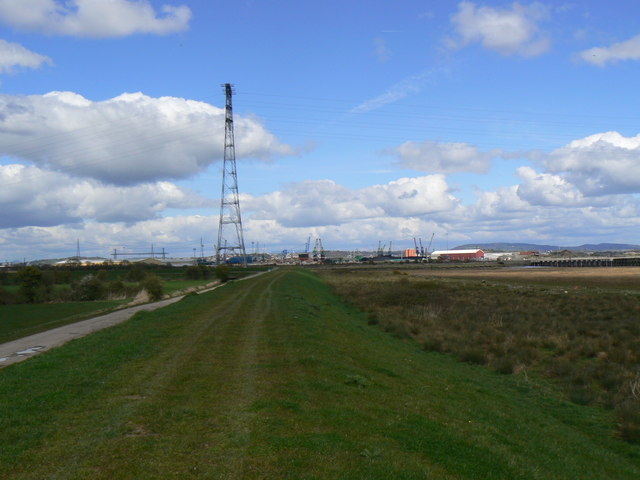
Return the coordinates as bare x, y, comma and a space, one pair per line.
429, 247
421, 251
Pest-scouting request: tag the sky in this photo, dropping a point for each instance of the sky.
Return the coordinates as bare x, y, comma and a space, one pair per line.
355, 121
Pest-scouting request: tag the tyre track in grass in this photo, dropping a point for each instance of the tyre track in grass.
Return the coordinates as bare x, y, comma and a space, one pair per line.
217, 374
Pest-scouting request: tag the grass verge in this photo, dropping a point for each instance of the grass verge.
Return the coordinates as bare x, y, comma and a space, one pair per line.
25, 319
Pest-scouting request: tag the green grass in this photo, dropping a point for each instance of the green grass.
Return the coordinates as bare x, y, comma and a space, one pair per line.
173, 286
275, 377
21, 320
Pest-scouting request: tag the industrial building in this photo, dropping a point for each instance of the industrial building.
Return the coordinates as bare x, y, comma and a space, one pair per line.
460, 255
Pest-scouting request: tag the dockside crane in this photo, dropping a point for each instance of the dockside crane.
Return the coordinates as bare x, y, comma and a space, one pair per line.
430, 241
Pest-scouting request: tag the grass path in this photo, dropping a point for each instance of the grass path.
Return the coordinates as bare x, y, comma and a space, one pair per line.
275, 378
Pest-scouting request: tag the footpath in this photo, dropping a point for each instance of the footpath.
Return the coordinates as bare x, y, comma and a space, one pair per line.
26, 347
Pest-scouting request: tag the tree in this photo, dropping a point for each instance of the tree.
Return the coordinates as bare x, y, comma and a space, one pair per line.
30, 279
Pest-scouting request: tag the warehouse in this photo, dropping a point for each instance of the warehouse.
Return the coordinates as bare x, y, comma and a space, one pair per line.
458, 255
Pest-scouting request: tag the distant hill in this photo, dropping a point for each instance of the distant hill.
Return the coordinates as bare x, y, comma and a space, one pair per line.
522, 247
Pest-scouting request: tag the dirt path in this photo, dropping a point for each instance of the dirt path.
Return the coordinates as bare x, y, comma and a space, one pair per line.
26, 347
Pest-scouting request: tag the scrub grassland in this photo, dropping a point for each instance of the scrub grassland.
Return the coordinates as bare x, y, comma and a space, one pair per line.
578, 327
277, 377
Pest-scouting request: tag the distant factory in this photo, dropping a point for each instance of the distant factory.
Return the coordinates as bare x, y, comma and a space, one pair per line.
458, 255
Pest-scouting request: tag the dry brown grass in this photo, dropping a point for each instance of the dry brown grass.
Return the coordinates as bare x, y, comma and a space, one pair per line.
578, 326
603, 277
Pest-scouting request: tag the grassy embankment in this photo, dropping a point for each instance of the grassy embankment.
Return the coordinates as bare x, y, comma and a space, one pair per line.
277, 378
580, 327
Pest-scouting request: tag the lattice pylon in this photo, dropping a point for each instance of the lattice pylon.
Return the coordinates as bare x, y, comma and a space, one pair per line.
230, 218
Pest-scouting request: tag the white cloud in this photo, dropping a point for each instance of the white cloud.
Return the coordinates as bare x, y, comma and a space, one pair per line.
30, 196
404, 88
93, 18
600, 56
504, 203
344, 218
541, 217
436, 157
129, 139
14, 55
350, 219
381, 50
510, 31
324, 202
601, 164
547, 189
177, 235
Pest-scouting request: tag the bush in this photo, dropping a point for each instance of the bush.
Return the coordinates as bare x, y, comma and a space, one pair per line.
48, 277
30, 279
61, 276
89, 289
582, 395
628, 416
432, 344
116, 288
222, 273
199, 272
153, 286
505, 365
102, 275
137, 273
472, 355
64, 293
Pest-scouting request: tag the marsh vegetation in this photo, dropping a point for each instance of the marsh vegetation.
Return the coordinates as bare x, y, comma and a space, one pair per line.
581, 330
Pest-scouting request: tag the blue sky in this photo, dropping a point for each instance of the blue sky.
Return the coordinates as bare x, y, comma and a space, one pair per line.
355, 122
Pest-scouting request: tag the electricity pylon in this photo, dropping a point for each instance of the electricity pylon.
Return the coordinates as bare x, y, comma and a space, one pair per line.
230, 218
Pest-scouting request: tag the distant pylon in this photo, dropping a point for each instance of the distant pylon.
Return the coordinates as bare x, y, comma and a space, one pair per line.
229, 201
